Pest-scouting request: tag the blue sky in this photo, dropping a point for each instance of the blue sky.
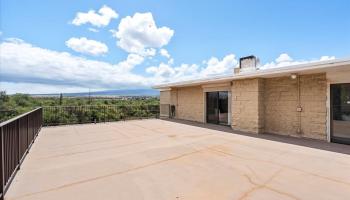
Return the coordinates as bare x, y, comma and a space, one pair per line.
48, 47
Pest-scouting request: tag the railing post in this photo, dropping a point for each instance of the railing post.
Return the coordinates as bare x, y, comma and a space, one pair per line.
19, 143
104, 110
27, 132
41, 117
2, 176
33, 125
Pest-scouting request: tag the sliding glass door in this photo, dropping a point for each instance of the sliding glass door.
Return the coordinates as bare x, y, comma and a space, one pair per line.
340, 114
217, 107
212, 107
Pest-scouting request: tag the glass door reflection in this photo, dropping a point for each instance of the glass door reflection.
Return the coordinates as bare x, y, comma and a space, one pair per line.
340, 113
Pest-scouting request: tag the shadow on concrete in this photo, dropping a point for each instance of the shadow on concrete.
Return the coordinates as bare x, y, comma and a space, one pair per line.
306, 142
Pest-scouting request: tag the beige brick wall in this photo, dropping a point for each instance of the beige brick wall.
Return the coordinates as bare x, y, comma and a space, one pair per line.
281, 101
190, 104
264, 105
247, 105
173, 97
165, 97
314, 103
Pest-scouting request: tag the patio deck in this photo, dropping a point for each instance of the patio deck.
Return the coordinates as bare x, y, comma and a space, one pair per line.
158, 159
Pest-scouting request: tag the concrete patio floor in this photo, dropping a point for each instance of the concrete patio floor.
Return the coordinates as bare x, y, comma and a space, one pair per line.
158, 159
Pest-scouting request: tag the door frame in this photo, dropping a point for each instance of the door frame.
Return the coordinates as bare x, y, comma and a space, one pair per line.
215, 104
218, 105
334, 77
330, 137
223, 87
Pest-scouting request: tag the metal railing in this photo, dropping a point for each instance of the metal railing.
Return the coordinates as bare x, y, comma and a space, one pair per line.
62, 115
17, 137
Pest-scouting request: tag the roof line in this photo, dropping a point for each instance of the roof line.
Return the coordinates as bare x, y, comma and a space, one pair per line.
261, 72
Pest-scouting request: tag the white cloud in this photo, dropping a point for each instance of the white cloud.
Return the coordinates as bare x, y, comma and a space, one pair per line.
26, 68
187, 71
37, 88
324, 58
14, 40
139, 34
164, 53
171, 61
86, 46
25, 63
165, 72
216, 67
161, 70
131, 61
93, 30
99, 19
284, 58
149, 52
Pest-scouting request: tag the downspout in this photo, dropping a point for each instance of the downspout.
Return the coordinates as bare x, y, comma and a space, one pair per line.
177, 102
299, 108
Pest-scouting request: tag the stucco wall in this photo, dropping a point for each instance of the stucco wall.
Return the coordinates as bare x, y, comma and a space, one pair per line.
247, 105
281, 101
190, 104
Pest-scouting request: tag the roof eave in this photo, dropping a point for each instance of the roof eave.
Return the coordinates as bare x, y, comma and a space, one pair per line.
313, 66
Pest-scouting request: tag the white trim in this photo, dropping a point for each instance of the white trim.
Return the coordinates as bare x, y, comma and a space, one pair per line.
216, 85
216, 89
229, 107
204, 107
328, 110
164, 89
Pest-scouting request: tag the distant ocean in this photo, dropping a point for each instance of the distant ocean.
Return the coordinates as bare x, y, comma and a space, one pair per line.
107, 93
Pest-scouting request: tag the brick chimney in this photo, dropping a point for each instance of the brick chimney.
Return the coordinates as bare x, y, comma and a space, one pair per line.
247, 64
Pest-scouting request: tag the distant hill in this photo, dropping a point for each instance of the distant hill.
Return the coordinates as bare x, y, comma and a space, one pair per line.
130, 92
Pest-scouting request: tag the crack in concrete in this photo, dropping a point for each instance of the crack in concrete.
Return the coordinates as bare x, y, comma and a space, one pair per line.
258, 186
106, 148
112, 174
98, 149
252, 171
285, 166
58, 148
143, 127
96, 142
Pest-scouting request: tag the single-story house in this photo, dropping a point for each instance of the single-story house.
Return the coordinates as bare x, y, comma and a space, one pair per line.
309, 100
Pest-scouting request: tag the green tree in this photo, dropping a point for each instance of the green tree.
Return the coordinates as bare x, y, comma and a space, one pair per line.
61, 99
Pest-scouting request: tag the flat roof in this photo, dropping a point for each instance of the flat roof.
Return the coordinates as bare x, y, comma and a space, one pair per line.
306, 68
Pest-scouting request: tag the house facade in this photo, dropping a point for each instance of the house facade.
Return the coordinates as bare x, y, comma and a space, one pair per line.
308, 100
